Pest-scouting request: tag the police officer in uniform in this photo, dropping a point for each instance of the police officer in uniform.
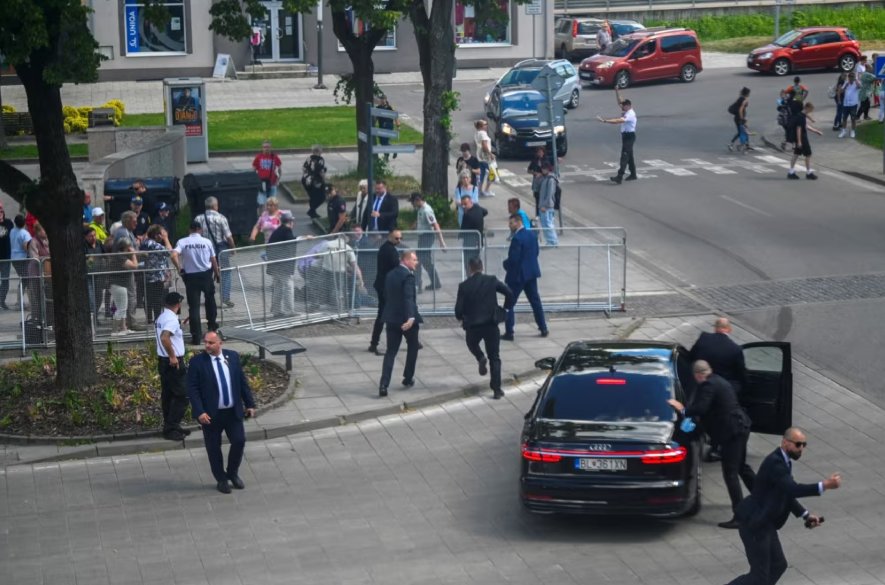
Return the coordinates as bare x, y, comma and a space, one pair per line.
172, 368
194, 256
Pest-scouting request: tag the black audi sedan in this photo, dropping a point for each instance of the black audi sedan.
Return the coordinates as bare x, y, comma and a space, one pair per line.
600, 437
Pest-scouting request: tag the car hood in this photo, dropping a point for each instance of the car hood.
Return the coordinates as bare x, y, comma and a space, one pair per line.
521, 119
581, 431
593, 62
765, 49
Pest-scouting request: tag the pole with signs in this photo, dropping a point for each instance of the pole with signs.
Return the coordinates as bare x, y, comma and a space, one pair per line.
371, 113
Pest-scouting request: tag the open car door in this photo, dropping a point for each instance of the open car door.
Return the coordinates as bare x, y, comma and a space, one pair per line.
768, 395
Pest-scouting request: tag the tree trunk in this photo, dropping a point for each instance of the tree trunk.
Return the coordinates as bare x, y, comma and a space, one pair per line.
3, 142
436, 51
359, 50
57, 202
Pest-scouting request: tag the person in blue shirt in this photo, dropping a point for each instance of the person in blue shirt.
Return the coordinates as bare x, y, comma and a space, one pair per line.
513, 207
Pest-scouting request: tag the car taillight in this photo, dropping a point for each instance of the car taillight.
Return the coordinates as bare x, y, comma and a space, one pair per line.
611, 381
574, 28
675, 455
538, 455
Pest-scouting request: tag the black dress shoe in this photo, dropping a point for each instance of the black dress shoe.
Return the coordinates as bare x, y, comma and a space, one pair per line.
223, 487
408, 382
616, 180
420, 345
433, 287
483, 367
507, 337
631, 178
382, 391
713, 456
545, 333
497, 394
373, 348
173, 435
731, 524
236, 481
184, 431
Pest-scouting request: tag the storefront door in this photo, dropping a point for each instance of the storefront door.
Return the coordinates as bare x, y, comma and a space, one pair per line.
280, 34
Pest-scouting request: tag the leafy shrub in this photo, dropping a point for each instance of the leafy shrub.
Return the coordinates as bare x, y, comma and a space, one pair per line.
7, 109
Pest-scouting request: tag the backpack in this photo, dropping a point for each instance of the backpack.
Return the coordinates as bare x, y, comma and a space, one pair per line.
313, 172
734, 108
783, 116
557, 197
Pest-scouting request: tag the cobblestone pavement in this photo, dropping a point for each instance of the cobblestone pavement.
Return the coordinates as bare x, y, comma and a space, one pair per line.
425, 497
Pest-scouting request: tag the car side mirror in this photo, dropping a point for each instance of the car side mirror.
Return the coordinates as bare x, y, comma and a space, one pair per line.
546, 363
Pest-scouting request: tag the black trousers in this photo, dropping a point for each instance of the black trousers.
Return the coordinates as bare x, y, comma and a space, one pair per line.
735, 468
490, 335
627, 141
225, 420
378, 326
765, 555
173, 397
425, 259
196, 284
153, 302
394, 337
316, 196
864, 110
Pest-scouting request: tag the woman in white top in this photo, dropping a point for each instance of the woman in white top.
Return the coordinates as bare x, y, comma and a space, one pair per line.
465, 187
484, 154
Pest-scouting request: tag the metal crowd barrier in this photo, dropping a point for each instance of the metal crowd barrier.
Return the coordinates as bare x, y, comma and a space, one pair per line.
313, 280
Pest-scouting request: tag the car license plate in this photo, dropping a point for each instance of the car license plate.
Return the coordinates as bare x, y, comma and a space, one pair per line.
598, 464
539, 143
586, 75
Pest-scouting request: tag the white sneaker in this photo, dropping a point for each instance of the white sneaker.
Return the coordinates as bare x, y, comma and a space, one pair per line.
852, 134
121, 333
842, 133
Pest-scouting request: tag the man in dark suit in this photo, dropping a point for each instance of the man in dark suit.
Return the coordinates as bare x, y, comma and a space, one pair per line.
382, 214
765, 510
472, 220
477, 309
218, 391
523, 272
716, 404
387, 260
402, 320
726, 358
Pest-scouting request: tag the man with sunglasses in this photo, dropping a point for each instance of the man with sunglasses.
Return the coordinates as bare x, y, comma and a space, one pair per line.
765, 510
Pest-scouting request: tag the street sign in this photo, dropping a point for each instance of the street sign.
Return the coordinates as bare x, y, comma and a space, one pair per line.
383, 113
394, 148
558, 115
540, 82
362, 136
384, 132
534, 8
880, 67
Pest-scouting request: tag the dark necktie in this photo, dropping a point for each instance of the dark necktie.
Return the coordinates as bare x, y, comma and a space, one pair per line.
225, 391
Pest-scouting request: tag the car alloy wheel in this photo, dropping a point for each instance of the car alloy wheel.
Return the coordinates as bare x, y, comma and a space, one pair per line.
847, 62
622, 80
781, 67
575, 99
688, 73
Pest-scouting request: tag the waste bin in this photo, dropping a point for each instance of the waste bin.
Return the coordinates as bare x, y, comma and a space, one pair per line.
159, 190
236, 191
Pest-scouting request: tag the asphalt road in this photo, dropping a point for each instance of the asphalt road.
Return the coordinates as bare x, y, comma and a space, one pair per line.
713, 222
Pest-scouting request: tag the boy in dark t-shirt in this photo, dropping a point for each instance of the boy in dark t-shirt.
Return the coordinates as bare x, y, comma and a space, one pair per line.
468, 161
803, 147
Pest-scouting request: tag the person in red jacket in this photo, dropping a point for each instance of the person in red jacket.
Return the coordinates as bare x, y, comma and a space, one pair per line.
269, 168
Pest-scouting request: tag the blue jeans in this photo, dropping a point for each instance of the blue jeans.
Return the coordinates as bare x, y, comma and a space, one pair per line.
548, 225
531, 293
837, 121
483, 173
742, 134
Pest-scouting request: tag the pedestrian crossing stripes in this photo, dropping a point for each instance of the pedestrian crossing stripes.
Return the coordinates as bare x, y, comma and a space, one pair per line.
759, 163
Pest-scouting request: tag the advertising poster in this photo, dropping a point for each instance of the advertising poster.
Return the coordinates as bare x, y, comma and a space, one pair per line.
187, 110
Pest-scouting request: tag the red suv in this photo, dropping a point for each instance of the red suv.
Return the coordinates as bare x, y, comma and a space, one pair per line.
643, 56
818, 47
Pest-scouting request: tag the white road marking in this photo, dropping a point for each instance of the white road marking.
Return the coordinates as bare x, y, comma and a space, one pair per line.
661, 165
769, 158
505, 173
745, 206
708, 166
668, 334
756, 168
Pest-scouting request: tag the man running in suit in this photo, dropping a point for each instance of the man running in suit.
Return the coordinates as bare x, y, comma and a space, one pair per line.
477, 309
523, 272
218, 390
766, 509
402, 320
716, 404
386, 260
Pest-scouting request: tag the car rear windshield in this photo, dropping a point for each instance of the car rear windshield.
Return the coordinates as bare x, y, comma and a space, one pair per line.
618, 397
585, 28
519, 77
620, 48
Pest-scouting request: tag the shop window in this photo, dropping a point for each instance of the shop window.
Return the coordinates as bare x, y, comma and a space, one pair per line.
142, 38
485, 24
359, 27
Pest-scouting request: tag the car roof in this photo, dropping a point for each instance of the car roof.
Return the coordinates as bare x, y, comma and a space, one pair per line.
620, 21
608, 354
537, 63
819, 28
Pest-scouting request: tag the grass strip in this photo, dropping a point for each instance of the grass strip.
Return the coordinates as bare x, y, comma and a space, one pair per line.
871, 134
24, 151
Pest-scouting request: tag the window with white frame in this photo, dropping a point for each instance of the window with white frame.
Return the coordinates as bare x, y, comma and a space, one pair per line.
359, 27
143, 38
485, 24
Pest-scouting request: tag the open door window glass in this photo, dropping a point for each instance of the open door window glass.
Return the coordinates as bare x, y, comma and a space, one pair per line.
768, 397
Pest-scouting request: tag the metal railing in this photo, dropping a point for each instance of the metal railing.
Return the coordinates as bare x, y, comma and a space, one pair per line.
317, 279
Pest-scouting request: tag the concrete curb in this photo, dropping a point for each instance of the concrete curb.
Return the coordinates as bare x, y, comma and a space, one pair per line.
856, 174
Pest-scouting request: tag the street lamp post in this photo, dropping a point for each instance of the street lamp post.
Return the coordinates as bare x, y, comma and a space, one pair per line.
319, 84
